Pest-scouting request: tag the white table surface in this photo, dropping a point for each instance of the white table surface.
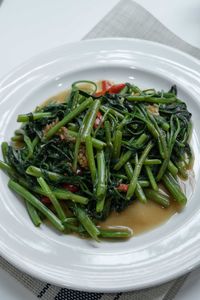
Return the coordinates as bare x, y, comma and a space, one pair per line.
28, 27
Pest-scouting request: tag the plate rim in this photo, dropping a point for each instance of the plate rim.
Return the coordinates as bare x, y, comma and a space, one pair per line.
22, 266
93, 40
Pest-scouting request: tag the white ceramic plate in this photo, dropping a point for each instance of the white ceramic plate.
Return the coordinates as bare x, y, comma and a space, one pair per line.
151, 258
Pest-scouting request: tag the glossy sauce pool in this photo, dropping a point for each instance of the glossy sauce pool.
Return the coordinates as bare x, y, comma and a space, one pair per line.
141, 217
137, 216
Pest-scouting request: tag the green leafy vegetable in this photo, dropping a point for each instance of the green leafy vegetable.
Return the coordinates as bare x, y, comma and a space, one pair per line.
97, 152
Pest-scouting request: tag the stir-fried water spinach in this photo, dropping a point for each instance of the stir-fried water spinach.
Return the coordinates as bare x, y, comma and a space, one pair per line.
75, 162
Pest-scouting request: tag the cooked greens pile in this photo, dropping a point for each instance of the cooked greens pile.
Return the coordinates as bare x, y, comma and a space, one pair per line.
75, 162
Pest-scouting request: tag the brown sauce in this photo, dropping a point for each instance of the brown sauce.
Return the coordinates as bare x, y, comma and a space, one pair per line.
59, 98
141, 217
138, 216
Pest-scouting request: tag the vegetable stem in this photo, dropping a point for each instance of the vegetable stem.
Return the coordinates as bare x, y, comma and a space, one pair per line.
52, 197
70, 116
4, 149
90, 157
33, 117
98, 144
33, 214
101, 181
149, 98
117, 142
108, 134
37, 172
137, 171
91, 118
36, 203
115, 233
151, 178
157, 197
174, 188
87, 223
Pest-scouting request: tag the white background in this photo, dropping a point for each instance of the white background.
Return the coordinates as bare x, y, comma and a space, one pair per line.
28, 27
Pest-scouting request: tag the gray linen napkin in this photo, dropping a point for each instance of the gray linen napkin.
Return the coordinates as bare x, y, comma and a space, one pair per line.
129, 19
126, 19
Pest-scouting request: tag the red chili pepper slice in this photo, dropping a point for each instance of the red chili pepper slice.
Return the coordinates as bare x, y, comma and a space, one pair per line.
115, 89
122, 187
98, 120
98, 94
70, 187
105, 85
45, 200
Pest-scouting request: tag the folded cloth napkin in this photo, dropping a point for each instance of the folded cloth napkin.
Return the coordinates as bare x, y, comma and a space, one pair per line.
126, 19
129, 19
